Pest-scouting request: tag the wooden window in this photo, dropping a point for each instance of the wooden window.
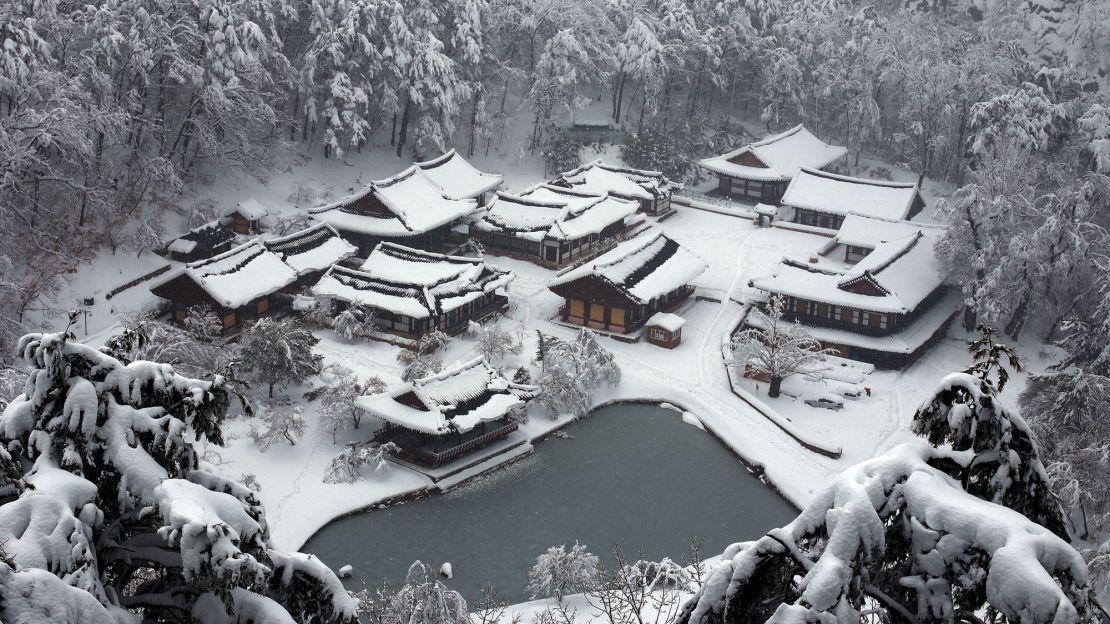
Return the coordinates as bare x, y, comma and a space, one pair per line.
616, 316
262, 306
229, 320
597, 313
576, 308
659, 334
179, 314
855, 317
835, 313
884, 321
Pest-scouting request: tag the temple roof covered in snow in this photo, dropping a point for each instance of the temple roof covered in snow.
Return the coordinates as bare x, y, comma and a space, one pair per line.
646, 267
210, 236
455, 400
598, 178
865, 231
411, 282
406, 204
896, 277
458, 178
840, 195
551, 212
230, 280
777, 157
313, 249
251, 209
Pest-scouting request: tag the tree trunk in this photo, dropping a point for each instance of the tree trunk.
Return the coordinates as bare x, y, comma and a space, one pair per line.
292, 442
970, 318
403, 133
271, 391
776, 386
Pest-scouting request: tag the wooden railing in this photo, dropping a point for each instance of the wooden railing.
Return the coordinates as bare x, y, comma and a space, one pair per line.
411, 448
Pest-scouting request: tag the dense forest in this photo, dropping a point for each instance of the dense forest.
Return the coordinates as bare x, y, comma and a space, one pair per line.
110, 110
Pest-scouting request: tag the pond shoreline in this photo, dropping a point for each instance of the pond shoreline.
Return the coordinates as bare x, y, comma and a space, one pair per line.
755, 468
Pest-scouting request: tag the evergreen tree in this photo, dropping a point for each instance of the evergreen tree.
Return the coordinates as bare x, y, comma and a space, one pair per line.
122, 509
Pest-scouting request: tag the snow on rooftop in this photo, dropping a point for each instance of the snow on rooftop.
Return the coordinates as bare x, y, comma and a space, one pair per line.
182, 246
458, 178
783, 154
644, 268
456, 399
841, 195
666, 321
415, 204
241, 275
312, 249
866, 231
412, 282
905, 270
599, 178
251, 209
554, 213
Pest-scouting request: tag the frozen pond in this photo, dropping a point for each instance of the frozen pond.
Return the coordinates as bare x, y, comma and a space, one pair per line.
634, 475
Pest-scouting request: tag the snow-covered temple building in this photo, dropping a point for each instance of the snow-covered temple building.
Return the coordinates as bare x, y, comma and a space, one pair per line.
875, 295
311, 251
445, 416
237, 284
413, 291
460, 179
247, 216
650, 188
760, 171
621, 289
409, 208
551, 225
824, 199
201, 242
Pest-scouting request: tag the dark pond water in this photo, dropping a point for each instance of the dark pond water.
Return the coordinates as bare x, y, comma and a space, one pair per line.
634, 476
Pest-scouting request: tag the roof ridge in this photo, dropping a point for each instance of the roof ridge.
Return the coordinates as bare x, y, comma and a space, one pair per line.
854, 180
196, 264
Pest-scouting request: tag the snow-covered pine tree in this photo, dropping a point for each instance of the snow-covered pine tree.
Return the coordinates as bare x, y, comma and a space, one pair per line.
777, 348
279, 352
560, 571
918, 534
123, 511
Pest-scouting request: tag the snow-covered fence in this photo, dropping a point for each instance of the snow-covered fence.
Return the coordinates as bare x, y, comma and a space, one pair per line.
710, 203
135, 282
799, 436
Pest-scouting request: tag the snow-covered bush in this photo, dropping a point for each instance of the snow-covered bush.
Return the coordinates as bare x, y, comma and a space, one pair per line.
492, 342
559, 572
202, 322
346, 466
420, 360
283, 421
562, 153
777, 348
280, 352
355, 322
423, 599
121, 510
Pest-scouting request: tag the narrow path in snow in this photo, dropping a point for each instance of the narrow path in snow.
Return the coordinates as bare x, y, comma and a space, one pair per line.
275, 516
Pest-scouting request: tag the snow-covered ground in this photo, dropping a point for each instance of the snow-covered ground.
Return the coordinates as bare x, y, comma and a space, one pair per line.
692, 376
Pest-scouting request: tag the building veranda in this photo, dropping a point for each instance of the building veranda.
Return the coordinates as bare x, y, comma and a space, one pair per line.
446, 416
875, 294
621, 289
412, 292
